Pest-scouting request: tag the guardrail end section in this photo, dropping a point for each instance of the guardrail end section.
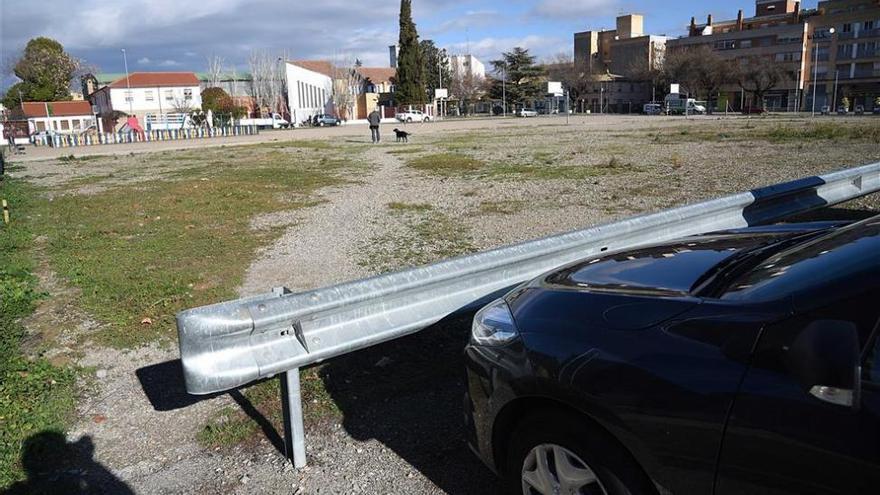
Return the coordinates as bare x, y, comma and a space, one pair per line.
215, 347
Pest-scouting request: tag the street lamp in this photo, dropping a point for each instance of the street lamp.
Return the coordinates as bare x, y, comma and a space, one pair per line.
816, 69
128, 95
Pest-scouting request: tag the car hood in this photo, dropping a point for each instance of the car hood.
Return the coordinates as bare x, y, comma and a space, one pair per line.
670, 269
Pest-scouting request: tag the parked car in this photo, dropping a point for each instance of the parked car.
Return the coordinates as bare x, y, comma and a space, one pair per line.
325, 120
860, 110
413, 116
526, 112
744, 361
826, 110
653, 109
842, 111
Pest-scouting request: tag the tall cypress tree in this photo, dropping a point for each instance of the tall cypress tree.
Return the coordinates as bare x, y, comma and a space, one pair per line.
410, 84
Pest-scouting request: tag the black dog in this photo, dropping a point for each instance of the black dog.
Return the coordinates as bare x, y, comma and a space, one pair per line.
402, 135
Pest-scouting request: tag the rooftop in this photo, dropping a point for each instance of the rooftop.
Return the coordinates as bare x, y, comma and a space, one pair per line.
153, 79
37, 109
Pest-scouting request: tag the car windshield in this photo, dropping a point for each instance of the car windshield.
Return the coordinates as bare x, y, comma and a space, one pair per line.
843, 256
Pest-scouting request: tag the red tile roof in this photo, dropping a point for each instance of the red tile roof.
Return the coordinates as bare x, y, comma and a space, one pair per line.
37, 109
378, 74
319, 66
153, 79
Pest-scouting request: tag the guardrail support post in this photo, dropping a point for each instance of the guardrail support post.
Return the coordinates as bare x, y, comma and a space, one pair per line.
294, 433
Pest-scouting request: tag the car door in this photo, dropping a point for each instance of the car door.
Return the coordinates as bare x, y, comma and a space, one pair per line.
781, 437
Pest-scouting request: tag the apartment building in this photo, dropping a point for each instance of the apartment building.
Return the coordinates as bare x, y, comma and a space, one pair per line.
777, 31
626, 51
848, 57
619, 60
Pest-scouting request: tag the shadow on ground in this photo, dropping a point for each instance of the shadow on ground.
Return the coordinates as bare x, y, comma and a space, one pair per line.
56, 466
408, 394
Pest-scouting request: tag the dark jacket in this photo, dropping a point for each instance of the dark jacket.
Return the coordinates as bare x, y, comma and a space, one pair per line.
374, 118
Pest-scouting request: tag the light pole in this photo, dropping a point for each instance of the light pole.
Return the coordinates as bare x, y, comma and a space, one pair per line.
836, 77
816, 69
504, 90
128, 95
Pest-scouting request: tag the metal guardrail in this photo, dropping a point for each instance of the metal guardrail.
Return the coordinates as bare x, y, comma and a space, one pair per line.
228, 345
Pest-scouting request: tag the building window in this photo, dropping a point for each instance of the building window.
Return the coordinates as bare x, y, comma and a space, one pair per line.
148, 95
169, 95
41, 126
129, 96
847, 28
187, 94
745, 43
77, 125
725, 45
65, 125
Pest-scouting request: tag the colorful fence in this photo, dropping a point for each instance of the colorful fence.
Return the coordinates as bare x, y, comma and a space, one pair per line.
68, 141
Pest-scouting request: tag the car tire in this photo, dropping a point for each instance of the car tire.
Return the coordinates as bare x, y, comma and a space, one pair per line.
598, 451
409, 120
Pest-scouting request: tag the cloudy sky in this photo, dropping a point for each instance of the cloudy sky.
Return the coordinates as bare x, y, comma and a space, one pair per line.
180, 34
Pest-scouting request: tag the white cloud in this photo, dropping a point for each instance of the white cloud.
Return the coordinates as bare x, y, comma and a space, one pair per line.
487, 49
564, 9
144, 61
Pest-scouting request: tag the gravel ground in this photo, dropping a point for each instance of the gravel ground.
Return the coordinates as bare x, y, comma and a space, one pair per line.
399, 428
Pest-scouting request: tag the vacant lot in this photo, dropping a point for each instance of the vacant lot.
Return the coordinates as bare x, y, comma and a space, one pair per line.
112, 247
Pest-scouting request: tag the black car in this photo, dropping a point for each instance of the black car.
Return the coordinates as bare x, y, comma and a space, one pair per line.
742, 361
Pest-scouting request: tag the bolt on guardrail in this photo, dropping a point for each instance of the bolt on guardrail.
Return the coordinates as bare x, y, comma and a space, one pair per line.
231, 344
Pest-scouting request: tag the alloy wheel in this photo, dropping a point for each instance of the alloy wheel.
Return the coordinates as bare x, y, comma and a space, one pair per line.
554, 470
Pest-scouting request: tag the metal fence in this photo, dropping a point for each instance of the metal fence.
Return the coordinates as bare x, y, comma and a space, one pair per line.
231, 344
74, 140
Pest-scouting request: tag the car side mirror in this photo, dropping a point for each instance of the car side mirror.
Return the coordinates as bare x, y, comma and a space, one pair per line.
825, 359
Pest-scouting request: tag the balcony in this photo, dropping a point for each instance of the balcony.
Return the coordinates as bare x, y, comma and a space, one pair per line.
846, 36
870, 33
865, 74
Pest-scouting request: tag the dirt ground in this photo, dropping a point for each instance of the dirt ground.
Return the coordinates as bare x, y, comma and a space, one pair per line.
457, 187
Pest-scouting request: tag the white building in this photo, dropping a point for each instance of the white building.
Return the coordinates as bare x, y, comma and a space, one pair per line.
309, 89
159, 100
61, 117
464, 64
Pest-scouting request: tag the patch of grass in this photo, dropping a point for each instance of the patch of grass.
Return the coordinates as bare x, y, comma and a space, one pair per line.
422, 237
446, 164
406, 151
507, 207
231, 426
409, 206
150, 250
72, 158
823, 131
36, 397
522, 171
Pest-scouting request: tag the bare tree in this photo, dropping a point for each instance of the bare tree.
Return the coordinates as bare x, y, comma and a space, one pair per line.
758, 76
268, 81
347, 82
466, 86
576, 78
215, 70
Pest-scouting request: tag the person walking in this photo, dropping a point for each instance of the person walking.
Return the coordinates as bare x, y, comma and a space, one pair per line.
375, 119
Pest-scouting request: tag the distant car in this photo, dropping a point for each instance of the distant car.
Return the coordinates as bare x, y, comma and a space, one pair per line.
876, 109
653, 109
826, 110
842, 111
860, 110
325, 120
526, 112
754, 111
413, 116
736, 362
